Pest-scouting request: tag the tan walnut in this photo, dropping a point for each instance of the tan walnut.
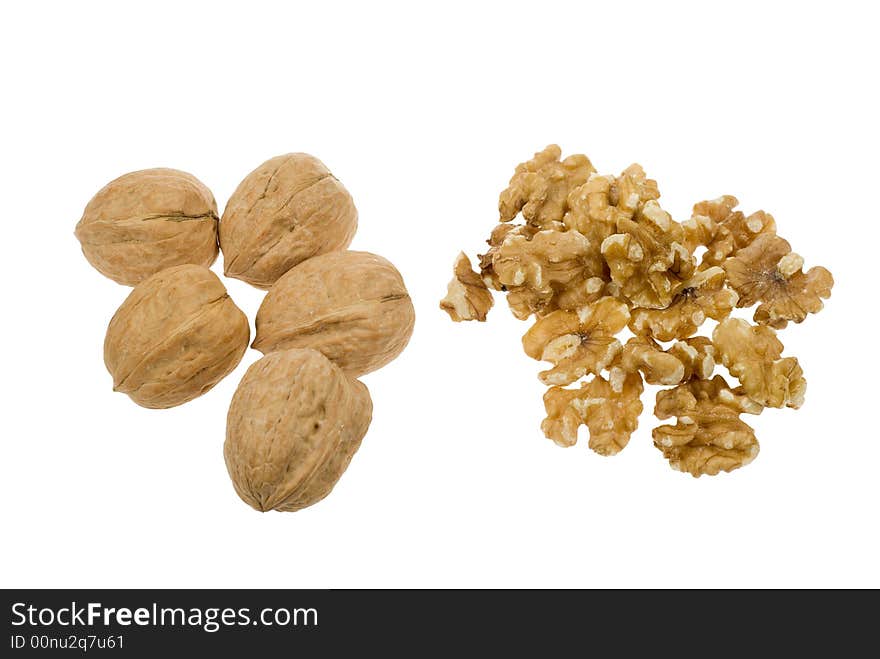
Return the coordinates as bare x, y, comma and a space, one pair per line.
722, 230
467, 296
176, 335
703, 296
146, 221
287, 210
609, 408
647, 259
577, 343
596, 207
352, 307
540, 187
767, 271
709, 436
548, 269
294, 424
753, 354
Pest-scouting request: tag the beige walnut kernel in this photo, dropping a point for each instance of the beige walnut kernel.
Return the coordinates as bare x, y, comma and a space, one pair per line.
577, 343
287, 210
537, 269
767, 271
609, 408
352, 307
540, 187
722, 230
647, 259
146, 221
467, 296
697, 355
294, 424
703, 296
709, 436
174, 337
599, 205
752, 354
657, 366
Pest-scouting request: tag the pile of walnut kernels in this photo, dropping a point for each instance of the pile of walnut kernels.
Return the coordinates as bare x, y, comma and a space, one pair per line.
596, 254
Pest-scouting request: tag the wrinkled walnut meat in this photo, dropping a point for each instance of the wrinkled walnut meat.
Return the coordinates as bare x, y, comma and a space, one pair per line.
767, 271
609, 408
752, 354
703, 296
592, 255
539, 188
709, 436
647, 259
577, 343
467, 297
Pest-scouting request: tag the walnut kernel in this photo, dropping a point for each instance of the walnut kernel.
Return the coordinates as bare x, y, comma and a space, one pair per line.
609, 408
467, 296
752, 354
703, 296
767, 271
577, 343
647, 259
539, 187
709, 436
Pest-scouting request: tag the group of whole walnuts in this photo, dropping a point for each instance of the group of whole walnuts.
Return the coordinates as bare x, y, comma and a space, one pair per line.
329, 316
597, 254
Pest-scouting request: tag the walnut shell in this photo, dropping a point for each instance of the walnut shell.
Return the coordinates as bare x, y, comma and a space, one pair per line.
352, 307
146, 221
287, 210
175, 336
294, 424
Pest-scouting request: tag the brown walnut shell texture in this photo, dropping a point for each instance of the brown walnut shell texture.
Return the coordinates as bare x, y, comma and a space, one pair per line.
146, 221
293, 426
175, 336
352, 307
287, 210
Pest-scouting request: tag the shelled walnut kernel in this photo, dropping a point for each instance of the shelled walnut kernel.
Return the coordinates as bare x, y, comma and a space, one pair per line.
597, 253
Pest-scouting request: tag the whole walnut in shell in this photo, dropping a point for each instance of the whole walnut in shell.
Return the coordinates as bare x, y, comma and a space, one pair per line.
175, 336
287, 210
352, 307
146, 221
293, 426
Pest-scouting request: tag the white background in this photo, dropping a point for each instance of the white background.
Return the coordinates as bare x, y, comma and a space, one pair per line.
423, 112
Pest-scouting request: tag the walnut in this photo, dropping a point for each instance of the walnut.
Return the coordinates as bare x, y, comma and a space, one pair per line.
352, 307
539, 187
767, 271
146, 221
709, 436
657, 366
596, 207
577, 343
535, 268
609, 408
487, 273
467, 297
294, 424
545, 260
647, 259
703, 296
697, 355
752, 354
175, 336
287, 210
722, 230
